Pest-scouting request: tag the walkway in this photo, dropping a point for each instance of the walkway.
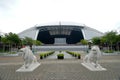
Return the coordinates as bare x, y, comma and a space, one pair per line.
66, 55
67, 69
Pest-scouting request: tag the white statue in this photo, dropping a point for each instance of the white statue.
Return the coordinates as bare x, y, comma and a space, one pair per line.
93, 56
28, 56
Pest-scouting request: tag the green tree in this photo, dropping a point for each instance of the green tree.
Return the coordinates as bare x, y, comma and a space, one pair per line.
27, 41
103, 40
30, 41
118, 42
96, 40
10, 40
84, 42
36, 42
4, 40
4, 43
110, 38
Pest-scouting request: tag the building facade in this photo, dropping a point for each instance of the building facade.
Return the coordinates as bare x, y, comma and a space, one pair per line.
60, 33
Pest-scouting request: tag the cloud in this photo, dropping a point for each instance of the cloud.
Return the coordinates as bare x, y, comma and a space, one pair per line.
102, 15
7, 4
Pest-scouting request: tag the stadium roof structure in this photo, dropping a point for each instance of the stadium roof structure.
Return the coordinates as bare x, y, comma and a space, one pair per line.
60, 33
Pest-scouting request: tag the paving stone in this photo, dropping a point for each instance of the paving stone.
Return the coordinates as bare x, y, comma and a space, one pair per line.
67, 69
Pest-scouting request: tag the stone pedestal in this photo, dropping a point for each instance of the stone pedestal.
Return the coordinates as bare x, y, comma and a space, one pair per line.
93, 67
31, 68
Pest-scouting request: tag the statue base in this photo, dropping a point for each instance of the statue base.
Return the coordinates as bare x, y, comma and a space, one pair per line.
31, 68
92, 67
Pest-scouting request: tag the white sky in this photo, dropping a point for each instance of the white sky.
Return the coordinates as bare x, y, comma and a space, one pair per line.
18, 15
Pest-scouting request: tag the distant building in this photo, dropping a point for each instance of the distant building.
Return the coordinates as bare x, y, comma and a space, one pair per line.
60, 33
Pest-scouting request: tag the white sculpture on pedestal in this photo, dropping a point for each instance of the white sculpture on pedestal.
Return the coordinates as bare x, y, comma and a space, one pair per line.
30, 60
93, 56
91, 59
28, 56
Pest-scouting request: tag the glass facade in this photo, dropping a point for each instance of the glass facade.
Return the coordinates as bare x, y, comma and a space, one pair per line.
60, 40
64, 34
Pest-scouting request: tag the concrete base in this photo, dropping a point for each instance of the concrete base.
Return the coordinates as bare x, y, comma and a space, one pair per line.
29, 69
91, 67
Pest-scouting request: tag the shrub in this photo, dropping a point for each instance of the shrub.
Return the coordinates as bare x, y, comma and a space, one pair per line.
74, 54
12, 52
109, 51
49, 53
41, 56
60, 56
45, 54
79, 56
71, 53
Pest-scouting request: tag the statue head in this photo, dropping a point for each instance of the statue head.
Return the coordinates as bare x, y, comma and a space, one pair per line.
96, 50
25, 50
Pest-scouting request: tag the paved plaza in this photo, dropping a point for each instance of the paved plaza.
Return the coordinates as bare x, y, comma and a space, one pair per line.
54, 69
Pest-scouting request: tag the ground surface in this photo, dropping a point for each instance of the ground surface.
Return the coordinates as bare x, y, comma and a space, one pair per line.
53, 69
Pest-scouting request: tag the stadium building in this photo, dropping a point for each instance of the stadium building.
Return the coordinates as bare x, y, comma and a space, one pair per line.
60, 33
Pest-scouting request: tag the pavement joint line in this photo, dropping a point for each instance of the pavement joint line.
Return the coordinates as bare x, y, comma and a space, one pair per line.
49, 61
11, 63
